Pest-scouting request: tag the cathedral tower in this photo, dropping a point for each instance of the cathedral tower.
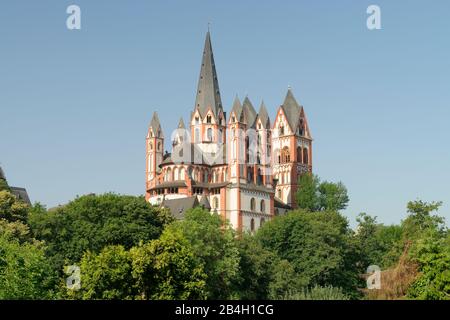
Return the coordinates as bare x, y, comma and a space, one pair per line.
154, 151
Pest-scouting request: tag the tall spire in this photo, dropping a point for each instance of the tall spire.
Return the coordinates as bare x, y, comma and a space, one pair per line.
291, 109
208, 94
155, 124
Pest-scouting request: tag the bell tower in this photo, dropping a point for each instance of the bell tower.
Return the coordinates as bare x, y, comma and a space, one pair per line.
292, 148
154, 151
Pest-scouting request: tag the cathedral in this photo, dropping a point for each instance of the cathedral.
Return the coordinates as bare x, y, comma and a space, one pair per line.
239, 165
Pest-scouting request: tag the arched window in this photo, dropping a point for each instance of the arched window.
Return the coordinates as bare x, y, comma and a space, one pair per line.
261, 223
281, 130
159, 146
205, 176
252, 204
208, 119
252, 225
305, 156
280, 194
263, 206
285, 155
301, 128
182, 174
151, 145
175, 174
209, 134
215, 203
168, 174
299, 154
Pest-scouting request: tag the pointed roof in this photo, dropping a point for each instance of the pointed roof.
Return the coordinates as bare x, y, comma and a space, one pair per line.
204, 202
237, 107
208, 94
291, 109
181, 124
249, 111
264, 116
155, 124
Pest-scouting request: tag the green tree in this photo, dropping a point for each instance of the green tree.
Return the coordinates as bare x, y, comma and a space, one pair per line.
214, 243
319, 245
24, 270
314, 195
92, 222
167, 269
12, 209
106, 275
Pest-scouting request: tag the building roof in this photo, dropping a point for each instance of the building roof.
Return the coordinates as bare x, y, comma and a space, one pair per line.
250, 112
204, 202
280, 204
2, 174
237, 108
208, 93
292, 110
178, 207
264, 116
181, 124
21, 194
155, 124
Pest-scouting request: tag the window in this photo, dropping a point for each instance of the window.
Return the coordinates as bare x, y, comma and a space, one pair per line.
197, 120
151, 146
299, 154
252, 204
305, 156
233, 119
280, 194
215, 203
182, 174
252, 225
263, 206
175, 174
281, 130
159, 146
208, 119
261, 223
209, 134
285, 156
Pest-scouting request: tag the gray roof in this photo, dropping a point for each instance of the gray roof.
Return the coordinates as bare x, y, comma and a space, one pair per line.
21, 193
204, 202
264, 116
208, 94
280, 204
237, 108
178, 207
292, 110
155, 124
181, 124
250, 112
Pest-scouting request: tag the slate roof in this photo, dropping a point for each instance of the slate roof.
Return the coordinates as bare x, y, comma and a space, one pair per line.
292, 110
250, 112
264, 116
21, 193
208, 93
204, 202
178, 207
155, 124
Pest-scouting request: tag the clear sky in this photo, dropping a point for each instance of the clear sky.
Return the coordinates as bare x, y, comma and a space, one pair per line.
75, 105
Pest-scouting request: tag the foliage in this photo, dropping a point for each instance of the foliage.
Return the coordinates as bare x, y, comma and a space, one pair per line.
92, 222
167, 269
12, 209
214, 243
24, 270
314, 195
317, 293
319, 246
106, 275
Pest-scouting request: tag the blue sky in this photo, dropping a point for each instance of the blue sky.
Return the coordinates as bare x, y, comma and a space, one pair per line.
75, 105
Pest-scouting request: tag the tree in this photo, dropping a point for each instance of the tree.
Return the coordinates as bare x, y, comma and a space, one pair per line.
106, 275
319, 245
314, 195
25, 272
12, 209
213, 242
168, 269
91, 222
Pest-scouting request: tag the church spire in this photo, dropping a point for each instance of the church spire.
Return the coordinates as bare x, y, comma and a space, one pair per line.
208, 94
